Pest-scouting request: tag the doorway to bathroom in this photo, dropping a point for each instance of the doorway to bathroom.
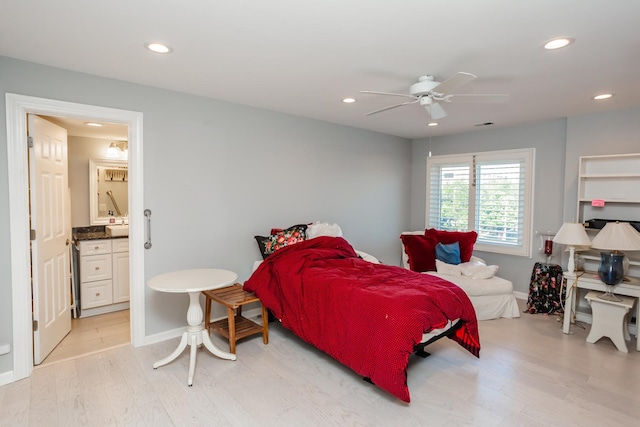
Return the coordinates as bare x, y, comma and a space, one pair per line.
97, 171
18, 107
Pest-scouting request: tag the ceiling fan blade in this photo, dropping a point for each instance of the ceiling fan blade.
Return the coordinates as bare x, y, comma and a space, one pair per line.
453, 82
405, 95
391, 107
479, 97
436, 111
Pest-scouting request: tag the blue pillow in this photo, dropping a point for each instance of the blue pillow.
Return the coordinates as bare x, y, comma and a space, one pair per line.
448, 253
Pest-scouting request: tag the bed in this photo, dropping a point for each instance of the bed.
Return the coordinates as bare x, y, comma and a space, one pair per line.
370, 317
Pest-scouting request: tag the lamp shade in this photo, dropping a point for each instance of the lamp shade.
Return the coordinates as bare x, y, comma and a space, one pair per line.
617, 236
572, 234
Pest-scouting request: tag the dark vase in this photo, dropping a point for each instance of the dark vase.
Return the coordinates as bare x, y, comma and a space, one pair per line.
611, 270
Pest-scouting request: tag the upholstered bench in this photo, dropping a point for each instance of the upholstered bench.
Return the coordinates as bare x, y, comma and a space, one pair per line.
492, 297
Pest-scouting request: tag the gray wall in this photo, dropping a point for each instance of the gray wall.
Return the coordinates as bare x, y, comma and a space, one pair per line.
80, 150
216, 174
559, 144
615, 132
548, 139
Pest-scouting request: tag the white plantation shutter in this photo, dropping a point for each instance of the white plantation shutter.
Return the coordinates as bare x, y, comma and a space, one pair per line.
449, 197
500, 202
489, 192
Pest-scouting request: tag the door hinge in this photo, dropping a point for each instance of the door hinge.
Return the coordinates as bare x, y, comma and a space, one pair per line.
30, 141
32, 234
35, 326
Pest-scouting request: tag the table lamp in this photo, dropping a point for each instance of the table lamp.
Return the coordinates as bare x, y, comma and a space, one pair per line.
572, 235
612, 239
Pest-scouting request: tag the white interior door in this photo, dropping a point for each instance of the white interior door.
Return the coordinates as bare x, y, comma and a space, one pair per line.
50, 218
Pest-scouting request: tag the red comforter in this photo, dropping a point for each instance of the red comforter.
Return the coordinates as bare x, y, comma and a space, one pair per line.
367, 316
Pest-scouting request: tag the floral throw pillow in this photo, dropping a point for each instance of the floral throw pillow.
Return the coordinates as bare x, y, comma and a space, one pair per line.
279, 238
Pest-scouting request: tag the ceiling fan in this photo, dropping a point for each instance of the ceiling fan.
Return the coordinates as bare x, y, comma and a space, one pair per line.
429, 94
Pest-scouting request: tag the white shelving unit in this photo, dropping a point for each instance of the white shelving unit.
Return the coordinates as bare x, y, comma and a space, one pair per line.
614, 181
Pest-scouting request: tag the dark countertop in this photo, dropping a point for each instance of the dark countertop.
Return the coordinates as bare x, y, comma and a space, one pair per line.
93, 232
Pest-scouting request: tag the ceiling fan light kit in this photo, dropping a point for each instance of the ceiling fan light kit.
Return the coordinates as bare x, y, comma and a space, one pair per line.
429, 93
424, 85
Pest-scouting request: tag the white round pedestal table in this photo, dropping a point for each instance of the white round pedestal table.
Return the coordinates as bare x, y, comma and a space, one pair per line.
193, 282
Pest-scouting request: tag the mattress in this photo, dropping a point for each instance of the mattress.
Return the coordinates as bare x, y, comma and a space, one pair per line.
491, 298
479, 287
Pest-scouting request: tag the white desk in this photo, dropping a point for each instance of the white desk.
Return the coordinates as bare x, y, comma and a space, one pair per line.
193, 282
590, 280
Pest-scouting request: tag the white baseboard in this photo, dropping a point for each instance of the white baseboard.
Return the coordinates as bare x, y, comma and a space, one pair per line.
177, 332
88, 312
521, 295
587, 318
580, 316
254, 312
163, 336
6, 378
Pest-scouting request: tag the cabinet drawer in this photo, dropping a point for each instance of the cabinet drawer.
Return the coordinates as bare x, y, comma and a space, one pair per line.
95, 294
95, 267
120, 245
95, 247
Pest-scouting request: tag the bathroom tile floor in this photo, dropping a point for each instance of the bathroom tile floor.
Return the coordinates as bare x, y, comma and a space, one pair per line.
91, 335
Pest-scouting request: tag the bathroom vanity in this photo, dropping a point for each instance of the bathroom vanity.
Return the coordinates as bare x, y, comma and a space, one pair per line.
102, 262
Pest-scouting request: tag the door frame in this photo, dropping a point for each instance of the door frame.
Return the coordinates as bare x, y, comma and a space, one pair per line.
17, 108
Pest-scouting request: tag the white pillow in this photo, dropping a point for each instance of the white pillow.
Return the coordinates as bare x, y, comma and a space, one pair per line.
476, 270
367, 257
447, 269
318, 229
476, 259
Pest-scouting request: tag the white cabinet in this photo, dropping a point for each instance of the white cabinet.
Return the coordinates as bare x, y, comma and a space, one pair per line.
608, 188
120, 262
104, 276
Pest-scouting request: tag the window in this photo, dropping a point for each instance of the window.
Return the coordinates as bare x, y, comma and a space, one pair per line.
490, 193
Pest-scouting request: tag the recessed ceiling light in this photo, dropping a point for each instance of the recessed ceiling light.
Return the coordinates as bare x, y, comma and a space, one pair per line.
603, 96
158, 47
557, 43
94, 124
432, 124
349, 100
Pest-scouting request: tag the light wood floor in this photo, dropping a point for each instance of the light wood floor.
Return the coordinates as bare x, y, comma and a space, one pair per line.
529, 374
91, 335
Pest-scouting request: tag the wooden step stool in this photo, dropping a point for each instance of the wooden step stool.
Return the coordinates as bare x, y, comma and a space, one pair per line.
234, 327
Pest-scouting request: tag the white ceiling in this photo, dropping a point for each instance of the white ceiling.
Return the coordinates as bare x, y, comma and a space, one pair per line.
302, 57
77, 127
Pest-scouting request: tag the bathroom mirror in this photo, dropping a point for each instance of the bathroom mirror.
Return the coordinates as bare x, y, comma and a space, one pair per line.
108, 190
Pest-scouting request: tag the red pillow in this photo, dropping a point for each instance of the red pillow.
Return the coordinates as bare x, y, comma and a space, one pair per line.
466, 240
421, 251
